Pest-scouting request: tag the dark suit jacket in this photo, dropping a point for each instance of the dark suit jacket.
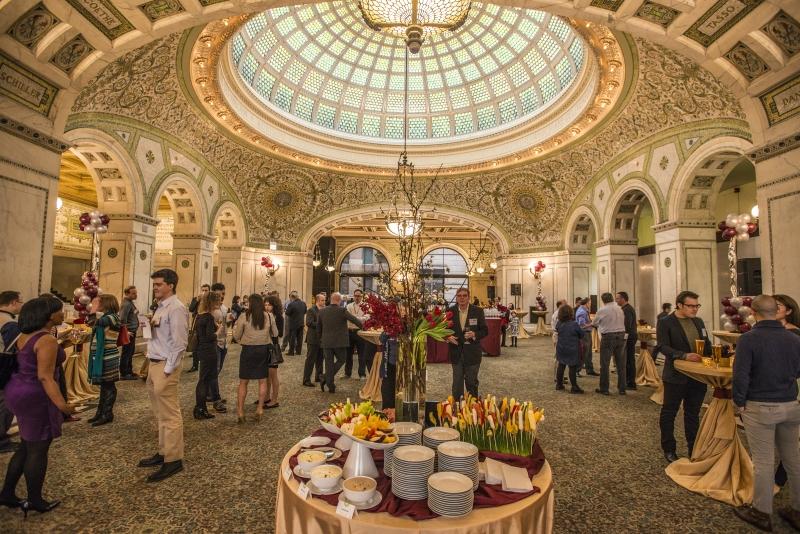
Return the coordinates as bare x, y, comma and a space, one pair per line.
332, 326
295, 313
471, 352
674, 345
630, 321
312, 337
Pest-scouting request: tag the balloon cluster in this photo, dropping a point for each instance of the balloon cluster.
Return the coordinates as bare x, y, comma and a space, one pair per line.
94, 222
740, 227
83, 295
738, 316
538, 268
541, 304
266, 261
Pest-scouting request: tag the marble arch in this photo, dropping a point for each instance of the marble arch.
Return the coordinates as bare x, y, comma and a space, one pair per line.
119, 189
698, 177
229, 225
581, 224
185, 202
630, 196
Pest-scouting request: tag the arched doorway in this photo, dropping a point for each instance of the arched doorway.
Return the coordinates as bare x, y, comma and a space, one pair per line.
361, 268
444, 271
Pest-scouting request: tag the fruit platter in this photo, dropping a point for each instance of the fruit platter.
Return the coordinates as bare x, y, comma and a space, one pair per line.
340, 413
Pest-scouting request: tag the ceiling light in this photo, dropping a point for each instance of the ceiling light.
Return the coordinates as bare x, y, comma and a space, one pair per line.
754, 211
493, 265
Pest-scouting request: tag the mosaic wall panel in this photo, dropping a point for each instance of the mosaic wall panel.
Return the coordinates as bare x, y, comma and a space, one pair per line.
746, 61
23, 86
159, 9
33, 25
783, 101
103, 16
611, 5
206, 3
785, 31
72, 53
719, 19
657, 14
529, 203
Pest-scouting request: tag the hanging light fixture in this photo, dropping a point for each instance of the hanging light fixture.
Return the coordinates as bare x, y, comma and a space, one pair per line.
493, 265
317, 261
330, 266
414, 18
402, 224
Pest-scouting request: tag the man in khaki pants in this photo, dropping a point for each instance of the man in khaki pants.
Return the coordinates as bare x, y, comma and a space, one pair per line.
170, 326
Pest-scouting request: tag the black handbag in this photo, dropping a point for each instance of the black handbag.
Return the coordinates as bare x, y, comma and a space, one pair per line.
274, 355
8, 363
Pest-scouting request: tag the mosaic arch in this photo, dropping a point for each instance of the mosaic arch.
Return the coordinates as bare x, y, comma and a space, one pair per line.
188, 210
622, 215
229, 226
581, 230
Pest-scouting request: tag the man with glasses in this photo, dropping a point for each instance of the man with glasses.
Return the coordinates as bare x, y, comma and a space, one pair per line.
677, 335
469, 327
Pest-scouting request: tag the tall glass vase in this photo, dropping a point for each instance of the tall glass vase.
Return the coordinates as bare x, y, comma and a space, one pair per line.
412, 357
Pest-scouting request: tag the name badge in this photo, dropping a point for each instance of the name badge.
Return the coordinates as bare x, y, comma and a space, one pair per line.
303, 491
473, 322
345, 509
703, 332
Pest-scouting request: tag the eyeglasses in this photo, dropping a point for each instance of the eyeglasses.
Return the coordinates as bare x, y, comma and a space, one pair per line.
692, 306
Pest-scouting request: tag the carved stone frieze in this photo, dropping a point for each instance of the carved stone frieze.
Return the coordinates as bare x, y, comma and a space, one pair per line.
657, 13
33, 25
280, 199
785, 31
746, 61
72, 53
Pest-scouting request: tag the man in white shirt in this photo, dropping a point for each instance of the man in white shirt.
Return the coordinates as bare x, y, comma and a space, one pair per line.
356, 341
170, 329
610, 321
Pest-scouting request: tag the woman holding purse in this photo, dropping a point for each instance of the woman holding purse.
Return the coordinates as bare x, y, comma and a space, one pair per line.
273, 303
254, 332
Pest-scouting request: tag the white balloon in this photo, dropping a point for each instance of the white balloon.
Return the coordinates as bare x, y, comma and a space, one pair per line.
745, 218
102, 229
95, 221
79, 292
95, 215
736, 302
751, 320
85, 300
744, 311
91, 229
743, 237
729, 326
741, 227
99, 291
724, 318
731, 220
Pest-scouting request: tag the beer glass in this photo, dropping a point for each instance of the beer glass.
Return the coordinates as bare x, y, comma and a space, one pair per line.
717, 351
700, 346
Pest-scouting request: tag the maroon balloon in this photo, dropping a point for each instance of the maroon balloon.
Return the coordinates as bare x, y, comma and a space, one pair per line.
86, 284
104, 219
729, 233
85, 218
79, 307
726, 301
747, 301
730, 310
722, 225
737, 319
744, 327
751, 228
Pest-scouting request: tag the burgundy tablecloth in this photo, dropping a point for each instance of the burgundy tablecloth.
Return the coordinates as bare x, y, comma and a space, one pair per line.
438, 351
491, 343
487, 495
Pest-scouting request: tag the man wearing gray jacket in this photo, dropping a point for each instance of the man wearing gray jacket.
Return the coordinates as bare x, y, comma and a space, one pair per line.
334, 338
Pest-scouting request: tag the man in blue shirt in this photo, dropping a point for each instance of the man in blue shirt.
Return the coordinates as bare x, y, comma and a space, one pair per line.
583, 320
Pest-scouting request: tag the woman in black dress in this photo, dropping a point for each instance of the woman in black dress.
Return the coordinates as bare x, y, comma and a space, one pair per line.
205, 328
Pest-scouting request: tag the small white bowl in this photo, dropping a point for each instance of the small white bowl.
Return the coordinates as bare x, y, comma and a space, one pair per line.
359, 490
308, 459
325, 477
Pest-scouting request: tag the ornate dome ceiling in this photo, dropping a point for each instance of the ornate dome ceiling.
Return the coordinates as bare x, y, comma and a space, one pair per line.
323, 67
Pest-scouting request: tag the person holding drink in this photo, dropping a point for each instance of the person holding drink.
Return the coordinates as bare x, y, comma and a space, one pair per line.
681, 336
469, 327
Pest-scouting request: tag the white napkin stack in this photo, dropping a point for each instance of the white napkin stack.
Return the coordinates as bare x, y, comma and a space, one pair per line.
515, 479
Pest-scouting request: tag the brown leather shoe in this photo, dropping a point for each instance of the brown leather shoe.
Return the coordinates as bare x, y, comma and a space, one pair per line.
791, 516
757, 518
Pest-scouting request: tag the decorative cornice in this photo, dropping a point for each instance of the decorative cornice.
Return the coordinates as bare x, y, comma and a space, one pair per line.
202, 237
776, 148
27, 168
777, 181
604, 242
139, 217
669, 225
22, 131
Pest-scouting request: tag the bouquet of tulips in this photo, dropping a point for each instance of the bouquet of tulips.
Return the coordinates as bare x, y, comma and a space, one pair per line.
507, 426
436, 324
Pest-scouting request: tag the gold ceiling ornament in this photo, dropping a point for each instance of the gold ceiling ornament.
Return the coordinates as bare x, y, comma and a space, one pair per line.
414, 18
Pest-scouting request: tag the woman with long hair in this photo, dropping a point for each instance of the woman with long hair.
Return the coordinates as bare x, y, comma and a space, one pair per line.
205, 328
273, 307
104, 356
568, 351
253, 330
33, 396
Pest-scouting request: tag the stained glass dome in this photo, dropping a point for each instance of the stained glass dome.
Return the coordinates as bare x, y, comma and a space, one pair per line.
322, 67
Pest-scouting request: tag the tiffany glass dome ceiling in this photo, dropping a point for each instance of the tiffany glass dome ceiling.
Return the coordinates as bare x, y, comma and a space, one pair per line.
323, 68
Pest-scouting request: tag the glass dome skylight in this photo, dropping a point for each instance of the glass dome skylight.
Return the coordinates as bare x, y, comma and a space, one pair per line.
323, 67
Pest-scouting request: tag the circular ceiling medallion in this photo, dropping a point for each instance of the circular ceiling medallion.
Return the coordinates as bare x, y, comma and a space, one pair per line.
282, 199
526, 202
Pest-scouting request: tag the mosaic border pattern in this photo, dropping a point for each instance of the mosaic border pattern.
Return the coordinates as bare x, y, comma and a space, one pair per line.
112, 24
721, 17
786, 94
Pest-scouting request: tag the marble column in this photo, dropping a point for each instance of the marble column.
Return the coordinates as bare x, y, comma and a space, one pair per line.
617, 267
686, 259
126, 255
194, 259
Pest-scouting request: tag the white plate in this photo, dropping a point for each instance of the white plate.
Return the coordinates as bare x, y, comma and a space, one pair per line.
458, 449
317, 491
328, 457
441, 433
407, 428
314, 441
413, 454
448, 482
330, 427
372, 503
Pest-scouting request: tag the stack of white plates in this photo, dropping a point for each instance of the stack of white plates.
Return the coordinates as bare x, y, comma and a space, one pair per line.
411, 467
408, 433
450, 494
436, 435
459, 457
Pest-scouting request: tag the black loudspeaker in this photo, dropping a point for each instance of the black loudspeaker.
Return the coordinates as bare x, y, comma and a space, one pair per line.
516, 290
324, 280
490, 292
593, 307
748, 276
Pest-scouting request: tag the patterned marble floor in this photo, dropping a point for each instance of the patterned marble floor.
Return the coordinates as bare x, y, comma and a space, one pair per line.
604, 452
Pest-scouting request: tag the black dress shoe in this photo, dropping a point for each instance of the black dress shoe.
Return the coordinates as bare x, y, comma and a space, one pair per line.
41, 507
560, 387
576, 390
153, 461
202, 413
622, 392
331, 389
166, 471
11, 502
308, 384
103, 421
93, 419
631, 387
322, 384
192, 370
670, 457
601, 392
757, 518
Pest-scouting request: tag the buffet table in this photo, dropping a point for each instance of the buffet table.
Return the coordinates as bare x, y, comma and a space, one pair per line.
720, 466
295, 515
491, 343
76, 375
541, 328
438, 351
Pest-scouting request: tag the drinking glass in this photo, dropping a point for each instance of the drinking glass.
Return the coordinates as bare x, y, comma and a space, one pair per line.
717, 351
700, 346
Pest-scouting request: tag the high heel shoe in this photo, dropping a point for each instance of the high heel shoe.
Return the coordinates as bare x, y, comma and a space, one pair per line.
42, 507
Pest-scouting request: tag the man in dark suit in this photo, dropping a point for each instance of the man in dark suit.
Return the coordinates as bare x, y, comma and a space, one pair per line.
334, 338
295, 315
314, 351
631, 340
676, 335
204, 290
469, 327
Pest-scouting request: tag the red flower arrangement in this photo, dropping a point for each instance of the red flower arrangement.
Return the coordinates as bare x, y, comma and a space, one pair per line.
382, 314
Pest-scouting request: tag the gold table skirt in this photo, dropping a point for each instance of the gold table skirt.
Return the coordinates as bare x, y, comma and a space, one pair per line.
372, 387
76, 374
531, 515
720, 466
